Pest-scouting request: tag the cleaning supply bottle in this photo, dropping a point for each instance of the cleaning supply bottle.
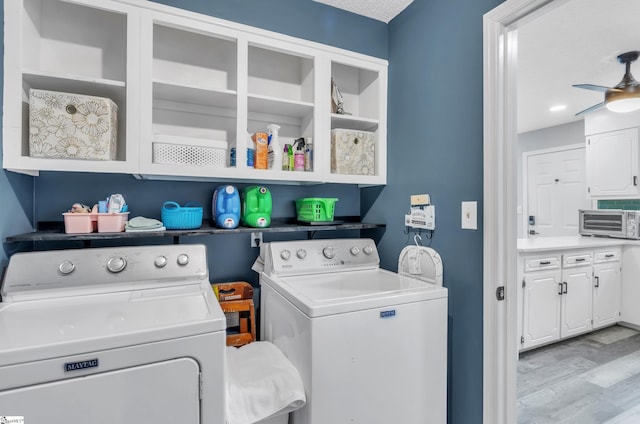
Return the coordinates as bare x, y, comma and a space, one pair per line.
298, 160
290, 156
308, 155
274, 146
285, 157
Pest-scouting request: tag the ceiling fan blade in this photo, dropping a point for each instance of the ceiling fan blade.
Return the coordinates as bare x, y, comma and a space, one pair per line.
595, 87
591, 109
592, 87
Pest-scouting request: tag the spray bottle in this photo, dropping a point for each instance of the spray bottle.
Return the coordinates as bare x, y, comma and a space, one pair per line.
285, 157
274, 154
298, 159
308, 155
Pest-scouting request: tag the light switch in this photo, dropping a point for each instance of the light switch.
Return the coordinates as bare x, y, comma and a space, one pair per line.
469, 215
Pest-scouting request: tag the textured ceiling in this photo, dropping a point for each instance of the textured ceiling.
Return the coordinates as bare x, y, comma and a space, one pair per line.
381, 10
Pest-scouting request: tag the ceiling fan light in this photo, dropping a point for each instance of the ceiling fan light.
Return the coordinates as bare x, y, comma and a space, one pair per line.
624, 105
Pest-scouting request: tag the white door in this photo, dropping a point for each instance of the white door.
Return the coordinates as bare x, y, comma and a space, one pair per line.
577, 295
555, 192
541, 320
606, 294
164, 392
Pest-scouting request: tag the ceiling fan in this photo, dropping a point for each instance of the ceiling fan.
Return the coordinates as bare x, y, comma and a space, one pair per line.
623, 97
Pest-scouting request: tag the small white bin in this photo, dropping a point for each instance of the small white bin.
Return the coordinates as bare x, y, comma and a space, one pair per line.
177, 150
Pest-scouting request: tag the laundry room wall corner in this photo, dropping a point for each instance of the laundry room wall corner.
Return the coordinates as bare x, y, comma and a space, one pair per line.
16, 191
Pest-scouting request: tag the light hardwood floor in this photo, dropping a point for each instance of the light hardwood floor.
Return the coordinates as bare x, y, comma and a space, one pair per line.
589, 379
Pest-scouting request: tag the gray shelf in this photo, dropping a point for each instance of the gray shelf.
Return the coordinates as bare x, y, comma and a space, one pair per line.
55, 231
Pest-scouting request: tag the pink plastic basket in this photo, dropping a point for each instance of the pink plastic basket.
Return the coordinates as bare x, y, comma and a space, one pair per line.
80, 223
112, 222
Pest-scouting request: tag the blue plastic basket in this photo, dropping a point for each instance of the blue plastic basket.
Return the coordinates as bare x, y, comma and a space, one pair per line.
176, 217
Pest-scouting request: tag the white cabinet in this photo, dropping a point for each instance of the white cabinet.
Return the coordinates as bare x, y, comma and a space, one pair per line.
540, 299
566, 293
189, 88
613, 165
607, 288
576, 304
71, 47
541, 308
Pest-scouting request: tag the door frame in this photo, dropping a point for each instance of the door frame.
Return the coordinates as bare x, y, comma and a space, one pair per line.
499, 205
525, 179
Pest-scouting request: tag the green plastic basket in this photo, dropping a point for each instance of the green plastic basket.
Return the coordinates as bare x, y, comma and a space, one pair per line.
315, 209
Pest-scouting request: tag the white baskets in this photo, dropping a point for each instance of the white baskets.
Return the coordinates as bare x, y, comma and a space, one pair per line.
176, 150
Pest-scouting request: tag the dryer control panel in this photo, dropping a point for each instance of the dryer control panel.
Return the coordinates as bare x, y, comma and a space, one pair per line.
55, 273
302, 257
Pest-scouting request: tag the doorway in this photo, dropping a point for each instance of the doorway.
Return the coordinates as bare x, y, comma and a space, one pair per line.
500, 173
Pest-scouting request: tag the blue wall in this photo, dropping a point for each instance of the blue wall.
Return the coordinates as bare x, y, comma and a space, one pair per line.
434, 146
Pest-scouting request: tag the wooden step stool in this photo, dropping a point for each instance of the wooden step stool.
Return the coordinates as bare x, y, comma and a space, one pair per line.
236, 301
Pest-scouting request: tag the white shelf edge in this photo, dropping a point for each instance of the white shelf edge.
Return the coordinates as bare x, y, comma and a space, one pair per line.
31, 74
280, 100
336, 116
224, 92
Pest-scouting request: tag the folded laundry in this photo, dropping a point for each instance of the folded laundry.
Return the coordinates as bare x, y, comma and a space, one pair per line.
140, 223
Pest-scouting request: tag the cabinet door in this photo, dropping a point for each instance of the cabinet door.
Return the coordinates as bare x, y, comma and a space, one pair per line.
612, 164
577, 295
606, 294
541, 316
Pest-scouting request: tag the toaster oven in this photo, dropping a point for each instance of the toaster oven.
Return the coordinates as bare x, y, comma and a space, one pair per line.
615, 223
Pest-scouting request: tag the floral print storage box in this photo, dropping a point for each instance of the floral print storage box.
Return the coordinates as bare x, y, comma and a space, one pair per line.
352, 152
72, 126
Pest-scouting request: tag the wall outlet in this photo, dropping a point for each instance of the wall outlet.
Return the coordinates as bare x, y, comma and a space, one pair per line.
256, 239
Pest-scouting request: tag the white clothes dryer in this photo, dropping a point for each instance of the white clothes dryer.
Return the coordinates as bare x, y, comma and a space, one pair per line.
370, 344
112, 335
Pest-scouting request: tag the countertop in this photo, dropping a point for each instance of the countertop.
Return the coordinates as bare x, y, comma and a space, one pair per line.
542, 244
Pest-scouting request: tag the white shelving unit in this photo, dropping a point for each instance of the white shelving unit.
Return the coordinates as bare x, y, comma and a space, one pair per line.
74, 48
189, 87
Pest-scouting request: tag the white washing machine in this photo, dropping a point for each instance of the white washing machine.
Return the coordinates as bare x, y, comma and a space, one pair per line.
370, 344
112, 335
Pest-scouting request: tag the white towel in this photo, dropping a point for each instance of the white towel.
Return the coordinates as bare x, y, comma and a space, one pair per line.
261, 383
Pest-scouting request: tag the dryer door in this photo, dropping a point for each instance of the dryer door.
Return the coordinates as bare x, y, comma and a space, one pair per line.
163, 392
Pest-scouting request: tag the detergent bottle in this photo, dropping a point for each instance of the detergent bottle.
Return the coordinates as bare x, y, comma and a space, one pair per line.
226, 206
256, 207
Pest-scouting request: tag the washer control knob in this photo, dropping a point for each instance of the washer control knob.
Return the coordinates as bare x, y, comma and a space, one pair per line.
355, 250
368, 250
183, 259
329, 252
66, 267
285, 255
301, 253
116, 264
160, 261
